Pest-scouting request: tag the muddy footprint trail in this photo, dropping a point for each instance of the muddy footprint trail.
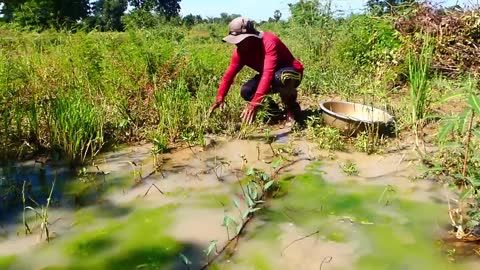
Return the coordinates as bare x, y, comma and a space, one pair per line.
353, 211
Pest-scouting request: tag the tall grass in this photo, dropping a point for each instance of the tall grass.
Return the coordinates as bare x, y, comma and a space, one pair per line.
420, 96
76, 127
418, 69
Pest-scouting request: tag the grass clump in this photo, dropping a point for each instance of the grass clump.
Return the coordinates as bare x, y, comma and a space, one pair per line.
326, 137
76, 127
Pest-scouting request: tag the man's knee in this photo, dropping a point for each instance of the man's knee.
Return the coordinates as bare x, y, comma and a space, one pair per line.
246, 92
288, 78
248, 89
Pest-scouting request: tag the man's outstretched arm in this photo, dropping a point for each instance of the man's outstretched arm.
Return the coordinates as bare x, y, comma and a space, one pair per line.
228, 78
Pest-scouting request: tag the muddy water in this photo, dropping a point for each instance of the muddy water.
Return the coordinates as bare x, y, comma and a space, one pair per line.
381, 218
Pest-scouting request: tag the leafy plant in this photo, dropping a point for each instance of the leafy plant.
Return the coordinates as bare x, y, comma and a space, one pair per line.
459, 160
327, 138
349, 168
258, 187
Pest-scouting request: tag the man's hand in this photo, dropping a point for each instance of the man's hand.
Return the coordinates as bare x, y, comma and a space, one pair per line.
248, 115
215, 106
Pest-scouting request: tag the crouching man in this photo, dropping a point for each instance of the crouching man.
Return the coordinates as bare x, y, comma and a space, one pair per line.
278, 70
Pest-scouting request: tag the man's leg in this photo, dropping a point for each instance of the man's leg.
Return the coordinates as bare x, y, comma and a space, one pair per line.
248, 91
249, 88
286, 82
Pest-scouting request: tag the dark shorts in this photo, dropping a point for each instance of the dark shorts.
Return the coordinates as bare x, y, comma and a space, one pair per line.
285, 80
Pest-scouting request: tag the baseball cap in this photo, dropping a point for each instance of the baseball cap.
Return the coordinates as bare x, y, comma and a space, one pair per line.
241, 28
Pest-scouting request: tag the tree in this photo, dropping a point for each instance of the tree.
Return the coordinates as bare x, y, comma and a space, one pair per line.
44, 13
69, 11
108, 14
33, 13
8, 7
167, 8
380, 7
277, 15
310, 12
190, 19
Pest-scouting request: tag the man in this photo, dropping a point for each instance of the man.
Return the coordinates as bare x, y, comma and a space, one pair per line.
279, 72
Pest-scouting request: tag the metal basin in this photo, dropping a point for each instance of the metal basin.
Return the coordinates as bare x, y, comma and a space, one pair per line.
352, 118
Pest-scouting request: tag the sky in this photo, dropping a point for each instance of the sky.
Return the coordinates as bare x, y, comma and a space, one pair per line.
263, 9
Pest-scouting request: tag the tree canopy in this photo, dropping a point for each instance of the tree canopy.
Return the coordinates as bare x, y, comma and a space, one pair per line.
105, 14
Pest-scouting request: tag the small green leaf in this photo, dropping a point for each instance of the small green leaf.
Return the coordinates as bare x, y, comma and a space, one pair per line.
445, 130
264, 177
239, 227
255, 194
474, 181
250, 202
235, 202
474, 102
250, 171
227, 221
277, 163
252, 191
245, 214
254, 210
466, 194
476, 133
211, 247
185, 260
268, 185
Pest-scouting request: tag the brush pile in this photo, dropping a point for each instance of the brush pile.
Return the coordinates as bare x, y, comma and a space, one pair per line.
456, 34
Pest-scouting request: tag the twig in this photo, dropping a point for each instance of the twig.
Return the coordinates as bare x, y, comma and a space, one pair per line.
465, 161
467, 151
235, 238
327, 259
153, 185
291, 163
258, 152
299, 239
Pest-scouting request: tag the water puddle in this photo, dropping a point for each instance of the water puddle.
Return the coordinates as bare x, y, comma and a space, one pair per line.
351, 212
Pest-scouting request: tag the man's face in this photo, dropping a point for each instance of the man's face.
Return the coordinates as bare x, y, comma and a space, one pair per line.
247, 43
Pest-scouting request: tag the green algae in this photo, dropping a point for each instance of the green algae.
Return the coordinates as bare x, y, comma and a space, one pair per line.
309, 201
92, 243
138, 241
260, 261
214, 201
394, 232
6, 262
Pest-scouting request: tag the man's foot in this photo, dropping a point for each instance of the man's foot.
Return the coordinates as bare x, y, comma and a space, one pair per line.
290, 119
293, 120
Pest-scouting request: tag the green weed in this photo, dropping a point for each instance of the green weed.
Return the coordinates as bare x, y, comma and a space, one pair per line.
76, 127
327, 138
349, 168
418, 71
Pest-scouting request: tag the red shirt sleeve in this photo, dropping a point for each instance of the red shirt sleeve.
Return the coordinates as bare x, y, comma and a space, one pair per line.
229, 76
269, 65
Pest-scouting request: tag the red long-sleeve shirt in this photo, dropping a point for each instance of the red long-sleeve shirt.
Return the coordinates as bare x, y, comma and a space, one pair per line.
263, 59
